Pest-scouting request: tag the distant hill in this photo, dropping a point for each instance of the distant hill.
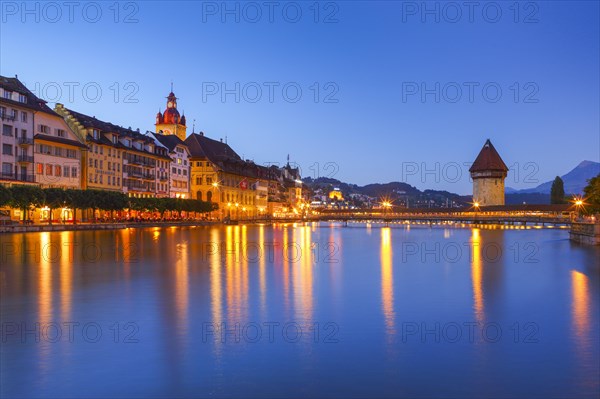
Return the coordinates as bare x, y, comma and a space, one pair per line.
574, 181
396, 191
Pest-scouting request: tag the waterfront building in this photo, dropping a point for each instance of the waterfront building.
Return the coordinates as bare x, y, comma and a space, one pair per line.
488, 173
176, 175
58, 152
18, 107
220, 175
119, 159
336, 195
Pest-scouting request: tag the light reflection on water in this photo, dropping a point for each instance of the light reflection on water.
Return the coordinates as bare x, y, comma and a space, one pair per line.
180, 286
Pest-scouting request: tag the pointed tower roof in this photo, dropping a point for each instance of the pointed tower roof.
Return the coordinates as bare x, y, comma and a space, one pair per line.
488, 159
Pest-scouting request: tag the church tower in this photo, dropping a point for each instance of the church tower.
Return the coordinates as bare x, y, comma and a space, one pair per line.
488, 173
170, 122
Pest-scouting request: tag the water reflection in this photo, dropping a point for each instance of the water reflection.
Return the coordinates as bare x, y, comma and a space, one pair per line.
477, 274
580, 305
387, 280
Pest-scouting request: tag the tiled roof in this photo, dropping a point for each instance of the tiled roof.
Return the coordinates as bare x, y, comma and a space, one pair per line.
33, 102
169, 140
107, 127
224, 157
488, 160
60, 140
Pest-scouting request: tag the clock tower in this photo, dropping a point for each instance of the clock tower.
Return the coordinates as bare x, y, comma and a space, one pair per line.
170, 122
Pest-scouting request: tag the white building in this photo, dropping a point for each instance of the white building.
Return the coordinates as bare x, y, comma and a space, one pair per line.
178, 172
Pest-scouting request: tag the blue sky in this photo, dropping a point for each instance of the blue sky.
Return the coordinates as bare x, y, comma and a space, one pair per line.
367, 121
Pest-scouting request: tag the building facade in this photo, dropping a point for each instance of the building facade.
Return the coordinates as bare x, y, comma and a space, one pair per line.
18, 108
58, 152
175, 174
220, 175
488, 173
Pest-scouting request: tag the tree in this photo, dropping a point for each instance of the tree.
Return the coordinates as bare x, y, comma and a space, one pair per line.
24, 197
76, 199
592, 196
5, 195
54, 198
557, 192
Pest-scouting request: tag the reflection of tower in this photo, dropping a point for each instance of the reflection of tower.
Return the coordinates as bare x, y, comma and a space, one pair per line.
170, 122
488, 173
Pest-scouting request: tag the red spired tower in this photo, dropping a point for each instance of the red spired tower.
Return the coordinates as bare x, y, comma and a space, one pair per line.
488, 173
170, 122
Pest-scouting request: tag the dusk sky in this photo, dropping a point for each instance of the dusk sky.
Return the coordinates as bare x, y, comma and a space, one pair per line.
368, 121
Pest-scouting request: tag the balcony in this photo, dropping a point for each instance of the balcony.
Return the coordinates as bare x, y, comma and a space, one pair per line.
18, 177
24, 141
25, 159
6, 117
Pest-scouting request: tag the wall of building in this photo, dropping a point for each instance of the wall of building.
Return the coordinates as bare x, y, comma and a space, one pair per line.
488, 191
16, 141
56, 164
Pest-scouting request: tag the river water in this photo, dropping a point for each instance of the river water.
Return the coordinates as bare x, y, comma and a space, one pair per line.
299, 310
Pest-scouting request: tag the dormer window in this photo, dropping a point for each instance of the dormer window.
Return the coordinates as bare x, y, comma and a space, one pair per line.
44, 129
8, 94
60, 133
23, 98
96, 134
115, 140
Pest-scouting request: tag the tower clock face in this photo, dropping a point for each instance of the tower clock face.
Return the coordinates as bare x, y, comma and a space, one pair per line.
167, 131
170, 104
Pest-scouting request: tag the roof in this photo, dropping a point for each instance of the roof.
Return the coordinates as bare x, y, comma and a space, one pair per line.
59, 140
203, 147
488, 159
107, 127
33, 102
170, 141
224, 157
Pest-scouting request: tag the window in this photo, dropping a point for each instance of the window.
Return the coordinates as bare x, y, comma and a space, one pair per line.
185, 172
24, 133
199, 180
66, 171
118, 181
23, 116
61, 133
71, 153
44, 129
7, 130
7, 169
14, 113
48, 169
23, 98
118, 167
57, 170
101, 164
7, 94
184, 162
178, 161
115, 139
39, 168
95, 163
174, 170
96, 134
58, 151
101, 150
109, 152
74, 171
113, 179
209, 180
7, 149
109, 165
